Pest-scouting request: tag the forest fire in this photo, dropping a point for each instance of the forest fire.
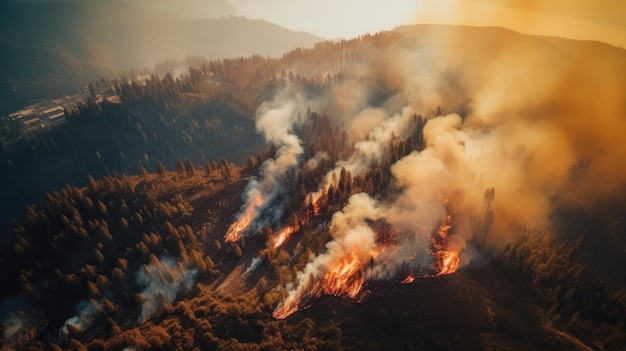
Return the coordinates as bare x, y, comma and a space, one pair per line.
236, 230
446, 260
408, 280
343, 278
314, 200
282, 235
344, 275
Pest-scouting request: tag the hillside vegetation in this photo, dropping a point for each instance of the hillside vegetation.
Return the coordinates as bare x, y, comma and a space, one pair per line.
429, 187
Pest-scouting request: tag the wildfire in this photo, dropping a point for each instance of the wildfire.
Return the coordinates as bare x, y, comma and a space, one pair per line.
315, 202
446, 260
408, 280
236, 230
282, 235
343, 278
344, 275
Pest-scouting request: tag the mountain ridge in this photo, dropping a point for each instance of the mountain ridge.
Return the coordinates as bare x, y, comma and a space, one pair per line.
66, 45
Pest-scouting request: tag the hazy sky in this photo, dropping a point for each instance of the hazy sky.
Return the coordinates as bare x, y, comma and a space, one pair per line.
603, 20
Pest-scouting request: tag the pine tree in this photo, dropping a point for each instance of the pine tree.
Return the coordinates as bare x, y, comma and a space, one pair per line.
161, 170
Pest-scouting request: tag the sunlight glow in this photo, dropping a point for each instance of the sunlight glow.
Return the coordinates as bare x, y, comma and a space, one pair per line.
538, 20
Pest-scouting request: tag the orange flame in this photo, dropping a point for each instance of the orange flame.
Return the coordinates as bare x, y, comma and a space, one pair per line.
343, 278
282, 235
408, 280
315, 201
236, 230
446, 260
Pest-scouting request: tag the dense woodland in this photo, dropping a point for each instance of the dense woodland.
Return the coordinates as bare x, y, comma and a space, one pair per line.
201, 116
85, 253
131, 251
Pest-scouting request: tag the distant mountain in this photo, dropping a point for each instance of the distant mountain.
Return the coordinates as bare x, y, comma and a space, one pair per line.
52, 48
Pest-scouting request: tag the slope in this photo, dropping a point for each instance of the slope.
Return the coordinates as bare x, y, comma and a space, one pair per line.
53, 48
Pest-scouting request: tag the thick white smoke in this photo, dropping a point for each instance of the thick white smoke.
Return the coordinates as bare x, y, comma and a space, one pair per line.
527, 127
276, 121
350, 234
374, 128
163, 279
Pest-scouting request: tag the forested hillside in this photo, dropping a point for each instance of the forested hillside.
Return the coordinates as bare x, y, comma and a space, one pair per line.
430, 187
141, 261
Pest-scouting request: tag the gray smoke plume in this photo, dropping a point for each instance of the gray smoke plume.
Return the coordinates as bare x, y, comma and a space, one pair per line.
374, 128
276, 121
13, 324
163, 279
86, 312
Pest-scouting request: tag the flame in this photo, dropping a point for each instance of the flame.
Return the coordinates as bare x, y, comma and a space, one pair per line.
343, 278
408, 280
315, 202
285, 310
446, 260
236, 230
282, 235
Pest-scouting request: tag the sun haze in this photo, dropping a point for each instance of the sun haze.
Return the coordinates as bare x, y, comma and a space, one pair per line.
585, 20
601, 20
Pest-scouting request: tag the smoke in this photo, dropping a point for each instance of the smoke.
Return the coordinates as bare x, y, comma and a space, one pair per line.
86, 312
350, 234
256, 261
13, 324
163, 279
369, 151
376, 128
539, 120
276, 121
315, 161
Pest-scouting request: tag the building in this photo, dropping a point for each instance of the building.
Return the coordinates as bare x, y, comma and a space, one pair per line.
53, 116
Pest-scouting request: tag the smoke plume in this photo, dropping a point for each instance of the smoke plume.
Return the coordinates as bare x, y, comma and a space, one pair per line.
86, 312
276, 121
163, 279
13, 324
351, 236
538, 120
